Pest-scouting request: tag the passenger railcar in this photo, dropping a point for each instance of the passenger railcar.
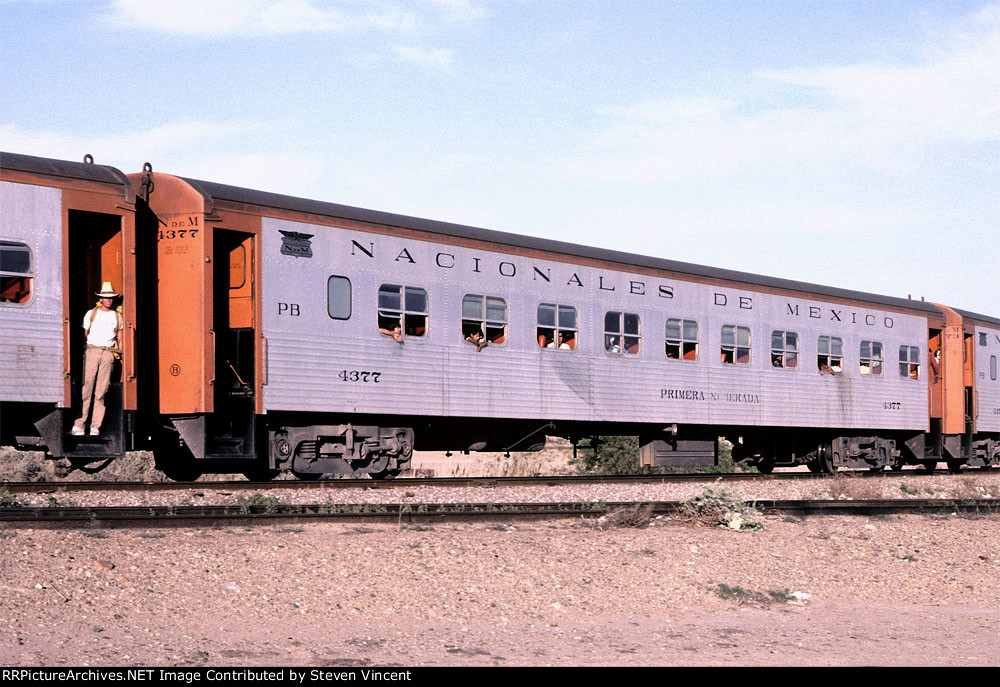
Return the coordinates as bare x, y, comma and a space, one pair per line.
276, 333
65, 228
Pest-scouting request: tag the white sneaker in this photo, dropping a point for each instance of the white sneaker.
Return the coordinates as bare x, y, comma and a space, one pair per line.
77, 431
94, 431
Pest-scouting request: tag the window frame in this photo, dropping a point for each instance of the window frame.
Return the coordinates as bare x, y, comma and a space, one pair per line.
871, 358
623, 336
556, 327
485, 323
350, 297
403, 313
909, 367
736, 346
11, 276
787, 351
829, 354
680, 343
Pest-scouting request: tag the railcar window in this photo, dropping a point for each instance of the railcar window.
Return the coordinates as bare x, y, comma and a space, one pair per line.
621, 333
784, 349
871, 358
338, 297
982, 338
238, 268
557, 326
16, 272
909, 362
735, 345
486, 315
682, 339
404, 308
830, 355
993, 368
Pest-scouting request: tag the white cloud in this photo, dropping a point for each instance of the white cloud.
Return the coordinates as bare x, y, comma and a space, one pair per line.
219, 18
866, 116
460, 10
437, 58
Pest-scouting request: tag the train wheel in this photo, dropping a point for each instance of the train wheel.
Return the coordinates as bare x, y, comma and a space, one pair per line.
765, 465
928, 465
955, 466
180, 470
824, 461
877, 468
896, 467
259, 474
814, 466
385, 474
175, 461
307, 476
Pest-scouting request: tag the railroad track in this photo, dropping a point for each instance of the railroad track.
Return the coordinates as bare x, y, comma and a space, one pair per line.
407, 482
166, 516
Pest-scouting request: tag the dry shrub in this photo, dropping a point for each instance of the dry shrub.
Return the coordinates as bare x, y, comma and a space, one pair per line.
748, 596
33, 466
23, 466
135, 466
720, 507
639, 515
8, 500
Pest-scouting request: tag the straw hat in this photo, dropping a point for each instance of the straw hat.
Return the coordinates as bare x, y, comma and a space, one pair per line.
106, 291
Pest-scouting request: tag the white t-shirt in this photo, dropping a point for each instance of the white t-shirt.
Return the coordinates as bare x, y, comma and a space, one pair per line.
102, 331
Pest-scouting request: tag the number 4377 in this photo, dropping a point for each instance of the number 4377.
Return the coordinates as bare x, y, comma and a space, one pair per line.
167, 234
359, 376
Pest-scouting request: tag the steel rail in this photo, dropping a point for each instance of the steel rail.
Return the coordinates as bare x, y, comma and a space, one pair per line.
158, 516
408, 482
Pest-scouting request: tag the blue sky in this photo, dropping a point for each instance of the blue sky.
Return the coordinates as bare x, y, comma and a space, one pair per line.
851, 144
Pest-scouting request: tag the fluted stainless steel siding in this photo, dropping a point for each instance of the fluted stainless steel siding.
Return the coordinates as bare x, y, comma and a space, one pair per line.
31, 335
442, 374
987, 389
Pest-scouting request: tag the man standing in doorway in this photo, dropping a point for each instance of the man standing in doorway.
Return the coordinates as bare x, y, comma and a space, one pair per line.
103, 325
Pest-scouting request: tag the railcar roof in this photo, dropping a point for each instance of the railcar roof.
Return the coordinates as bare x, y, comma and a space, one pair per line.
236, 194
966, 315
110, 175
63, 168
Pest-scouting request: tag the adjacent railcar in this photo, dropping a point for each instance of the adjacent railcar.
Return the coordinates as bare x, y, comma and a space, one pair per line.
270, 333
65, 228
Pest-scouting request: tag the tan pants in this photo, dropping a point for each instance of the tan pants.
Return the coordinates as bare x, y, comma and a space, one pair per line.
97, 368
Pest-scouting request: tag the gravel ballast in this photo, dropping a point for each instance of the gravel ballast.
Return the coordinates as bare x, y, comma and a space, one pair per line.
832, 590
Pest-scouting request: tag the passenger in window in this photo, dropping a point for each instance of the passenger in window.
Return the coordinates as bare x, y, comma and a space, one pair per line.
566, 341
394, 330
477, 340
614, 345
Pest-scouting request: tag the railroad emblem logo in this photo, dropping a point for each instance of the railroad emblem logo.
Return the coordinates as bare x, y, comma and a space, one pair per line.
295, 244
